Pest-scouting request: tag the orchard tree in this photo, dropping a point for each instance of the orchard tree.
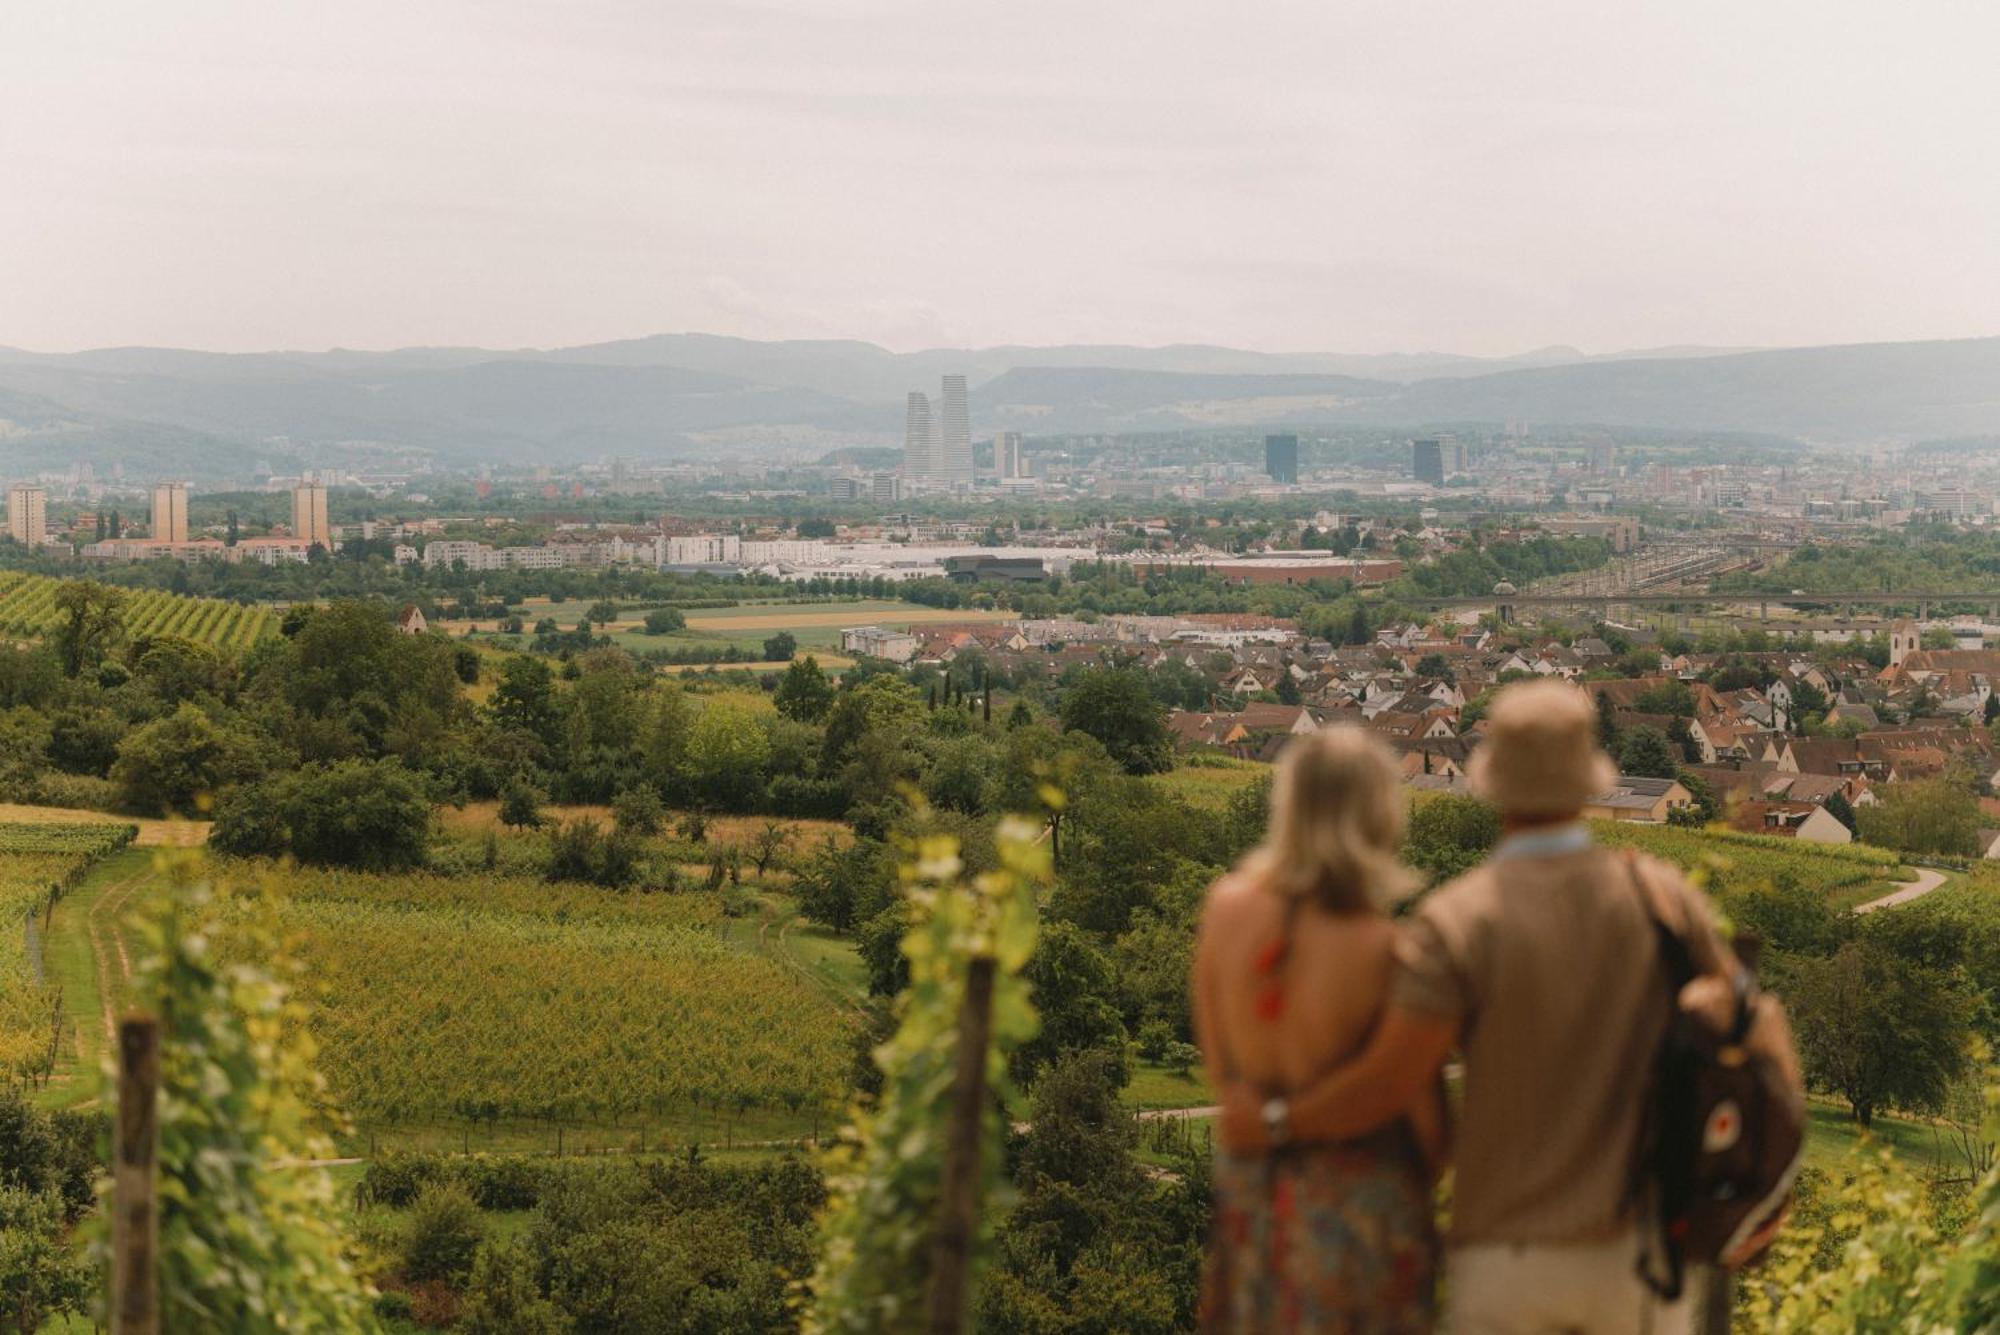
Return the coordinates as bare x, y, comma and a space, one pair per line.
1645, 752
176, 765
1115, 706
525, 699
804, 693
1927, 816
91, 622
1880, 1030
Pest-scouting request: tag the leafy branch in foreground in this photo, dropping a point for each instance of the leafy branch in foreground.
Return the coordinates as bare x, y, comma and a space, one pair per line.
875, 1260
1871, 1253
249, 1237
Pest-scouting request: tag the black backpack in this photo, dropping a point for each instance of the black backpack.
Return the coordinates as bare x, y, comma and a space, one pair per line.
1723, 1136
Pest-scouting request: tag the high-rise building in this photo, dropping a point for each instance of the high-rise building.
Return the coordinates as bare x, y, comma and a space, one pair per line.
1427, 460
170, 512
954, 464
309, 521
919, 439
885, 488
1281, 458
27, 514
1007, 461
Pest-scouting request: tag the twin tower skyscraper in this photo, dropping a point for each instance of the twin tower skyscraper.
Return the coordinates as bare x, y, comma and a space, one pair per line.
937, 445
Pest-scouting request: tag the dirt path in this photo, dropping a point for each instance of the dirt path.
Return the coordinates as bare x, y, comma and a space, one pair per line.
101, 924
1927, 880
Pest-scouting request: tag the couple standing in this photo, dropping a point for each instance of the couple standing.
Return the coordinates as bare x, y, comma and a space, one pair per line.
1326, 1026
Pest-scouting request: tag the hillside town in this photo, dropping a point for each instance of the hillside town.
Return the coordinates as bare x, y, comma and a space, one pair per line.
1775, 742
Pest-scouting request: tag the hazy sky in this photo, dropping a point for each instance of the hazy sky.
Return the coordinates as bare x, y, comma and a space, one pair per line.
1483, 176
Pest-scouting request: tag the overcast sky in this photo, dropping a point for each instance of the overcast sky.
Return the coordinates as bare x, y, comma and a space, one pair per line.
1483, 176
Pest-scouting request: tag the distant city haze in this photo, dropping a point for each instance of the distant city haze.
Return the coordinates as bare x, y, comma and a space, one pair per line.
1482, 178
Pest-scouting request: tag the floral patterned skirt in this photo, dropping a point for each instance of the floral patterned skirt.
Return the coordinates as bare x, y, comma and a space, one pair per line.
1319, 1239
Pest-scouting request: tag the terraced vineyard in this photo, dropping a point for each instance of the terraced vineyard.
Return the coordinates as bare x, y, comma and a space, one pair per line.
1730, 859
28, 607
37, 862
508, 999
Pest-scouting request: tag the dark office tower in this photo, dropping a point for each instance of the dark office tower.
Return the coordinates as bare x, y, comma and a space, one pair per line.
1281, 458
1427, 460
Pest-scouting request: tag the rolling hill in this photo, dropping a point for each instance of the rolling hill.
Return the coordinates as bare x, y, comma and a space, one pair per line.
696, 393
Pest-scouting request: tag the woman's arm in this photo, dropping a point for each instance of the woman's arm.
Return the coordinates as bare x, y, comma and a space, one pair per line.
1201, 995
1430, 1123
1381, 1084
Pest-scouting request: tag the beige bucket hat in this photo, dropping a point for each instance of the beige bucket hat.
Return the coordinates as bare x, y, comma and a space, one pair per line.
1540, 756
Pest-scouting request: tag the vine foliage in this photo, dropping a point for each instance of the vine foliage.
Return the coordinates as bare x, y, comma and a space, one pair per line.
874, 1269
249, 1235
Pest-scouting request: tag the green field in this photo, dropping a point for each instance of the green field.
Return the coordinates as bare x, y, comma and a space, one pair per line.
1213, 782
39, 864
503, 1012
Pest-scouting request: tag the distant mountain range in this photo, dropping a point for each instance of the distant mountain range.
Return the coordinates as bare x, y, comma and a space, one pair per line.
679, 394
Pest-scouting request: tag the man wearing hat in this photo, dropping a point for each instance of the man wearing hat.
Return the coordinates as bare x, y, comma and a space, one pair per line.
1542, 967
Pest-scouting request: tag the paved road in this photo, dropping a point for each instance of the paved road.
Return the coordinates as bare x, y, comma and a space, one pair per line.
1927, 881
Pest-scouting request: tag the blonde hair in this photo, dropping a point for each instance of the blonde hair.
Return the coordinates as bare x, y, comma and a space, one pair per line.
1336, 818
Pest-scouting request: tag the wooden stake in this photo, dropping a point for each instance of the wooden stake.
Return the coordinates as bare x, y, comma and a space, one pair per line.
958, 1196
1712, 1292
135, 1223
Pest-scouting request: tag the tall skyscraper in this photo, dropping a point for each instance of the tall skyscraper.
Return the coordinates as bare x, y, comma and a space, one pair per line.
954, 465
919, 439
1427, 460
1007, 461
309, 514
1281, 458
170, 512
1456, 455
27, 514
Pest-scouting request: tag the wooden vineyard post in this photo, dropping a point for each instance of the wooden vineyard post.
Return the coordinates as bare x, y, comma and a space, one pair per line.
1714, 1298
135, 1223
958, 1195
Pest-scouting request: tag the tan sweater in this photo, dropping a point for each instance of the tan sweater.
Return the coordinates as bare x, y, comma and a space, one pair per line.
1550, 966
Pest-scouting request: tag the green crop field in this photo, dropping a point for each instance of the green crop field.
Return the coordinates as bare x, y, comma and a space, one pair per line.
501, 1010
38, 863
28, 607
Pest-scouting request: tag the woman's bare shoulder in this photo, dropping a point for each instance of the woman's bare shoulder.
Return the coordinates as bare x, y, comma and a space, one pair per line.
1233, 899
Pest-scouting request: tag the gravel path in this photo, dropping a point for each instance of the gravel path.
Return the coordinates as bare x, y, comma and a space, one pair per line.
1927, 881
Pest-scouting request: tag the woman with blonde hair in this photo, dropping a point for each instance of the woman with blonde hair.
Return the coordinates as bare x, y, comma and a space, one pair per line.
1291, 969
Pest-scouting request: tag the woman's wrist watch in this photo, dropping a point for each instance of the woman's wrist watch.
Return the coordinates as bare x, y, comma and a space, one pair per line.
1277, 1116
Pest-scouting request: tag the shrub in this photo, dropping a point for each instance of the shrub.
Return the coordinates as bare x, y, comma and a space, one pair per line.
371, 814
501, 1298
520, 806
638, 811
665, 621
443, 1233
580, 850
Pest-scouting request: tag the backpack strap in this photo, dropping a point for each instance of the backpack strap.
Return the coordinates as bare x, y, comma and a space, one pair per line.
1675, 952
